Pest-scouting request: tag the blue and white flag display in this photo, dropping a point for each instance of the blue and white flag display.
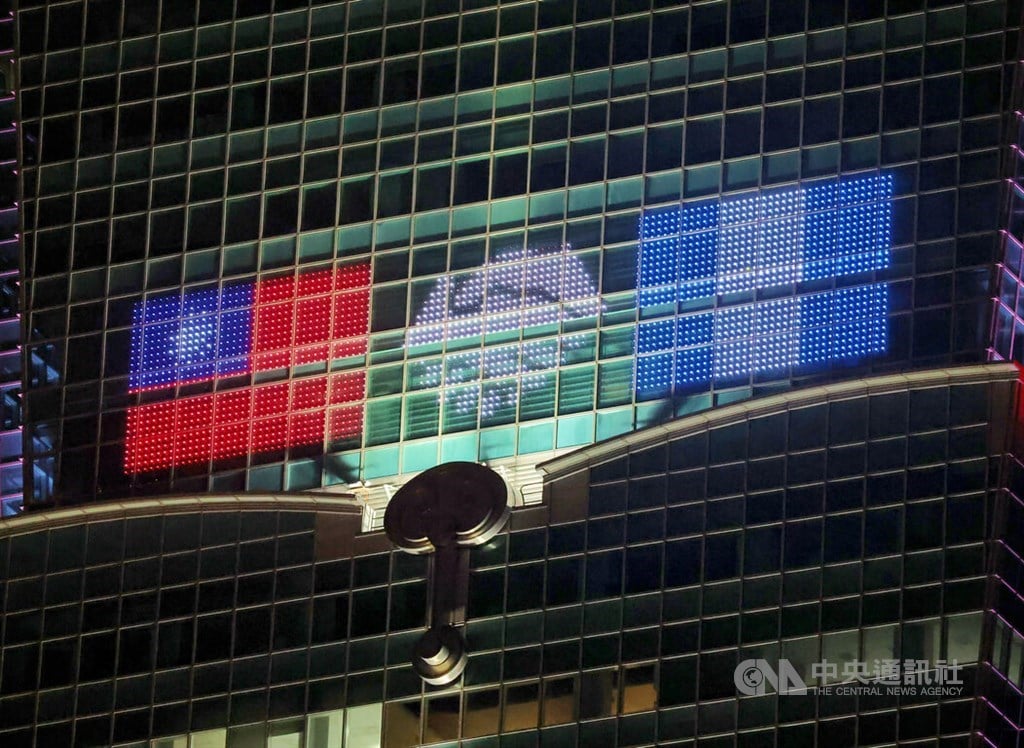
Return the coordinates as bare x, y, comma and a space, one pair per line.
753, 265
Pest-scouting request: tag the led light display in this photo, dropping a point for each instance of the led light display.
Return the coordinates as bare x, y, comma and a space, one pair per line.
519, 294
725, 256
245, 328
190, 337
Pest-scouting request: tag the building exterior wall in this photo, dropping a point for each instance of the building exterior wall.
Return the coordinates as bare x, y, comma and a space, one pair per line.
194, 153
1007, 319
845, 523
716, 262
10, 263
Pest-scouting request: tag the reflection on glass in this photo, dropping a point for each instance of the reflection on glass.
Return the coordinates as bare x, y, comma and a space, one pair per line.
285, 734
598, 694
521, 707
251, 736
639, 689
209, 739
559, 701
921, 640
1016, 655
879, 644
362, 726
362, 729
801, 653
178, 742
403, 721
962, 637
998, 640
442, 721
325, 730
839, 649
481, 713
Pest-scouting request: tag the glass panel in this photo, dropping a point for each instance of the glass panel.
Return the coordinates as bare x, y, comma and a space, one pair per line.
639, 689
962, 637
597, 694
363, 726
802, 654
285, 734
481, 717
559, 701
521, 705
442, 721
998, 644
921, 640
403, 724
324, 730
209, 739
1016, 654
839, 649
879, 644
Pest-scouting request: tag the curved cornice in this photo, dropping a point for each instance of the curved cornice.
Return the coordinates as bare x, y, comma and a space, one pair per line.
183, 504
618, 446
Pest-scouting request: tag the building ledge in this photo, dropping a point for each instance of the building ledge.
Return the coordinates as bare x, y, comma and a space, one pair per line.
167, 505
586, 457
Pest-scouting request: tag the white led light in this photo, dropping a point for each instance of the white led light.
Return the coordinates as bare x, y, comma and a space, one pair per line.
766, 240
533, 292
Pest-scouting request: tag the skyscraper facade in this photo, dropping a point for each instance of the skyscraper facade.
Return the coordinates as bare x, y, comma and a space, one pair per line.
720, 279
276, 248
841, 535
10, 324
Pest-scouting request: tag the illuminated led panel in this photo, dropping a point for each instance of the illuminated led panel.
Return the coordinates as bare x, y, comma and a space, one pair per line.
273, 324
252, 419
484, 312
723, 252
190, 337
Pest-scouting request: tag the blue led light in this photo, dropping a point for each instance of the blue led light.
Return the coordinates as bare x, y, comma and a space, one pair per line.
768, 240
694, 329
693, 365
656, 336
656, 372
664, 266
190, 337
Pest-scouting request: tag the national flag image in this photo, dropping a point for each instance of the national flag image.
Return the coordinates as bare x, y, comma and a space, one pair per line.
763, 281
287, 323
517, 299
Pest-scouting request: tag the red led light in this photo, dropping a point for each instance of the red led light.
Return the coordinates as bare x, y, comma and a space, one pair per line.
345, 348
270, 433
344, 423
150, 442
254, 419
275, 289
292, 318
311, 354
309, 393
347, 387
234, 405
273, 337
313, 320
193, 429
349, 317
306, 428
